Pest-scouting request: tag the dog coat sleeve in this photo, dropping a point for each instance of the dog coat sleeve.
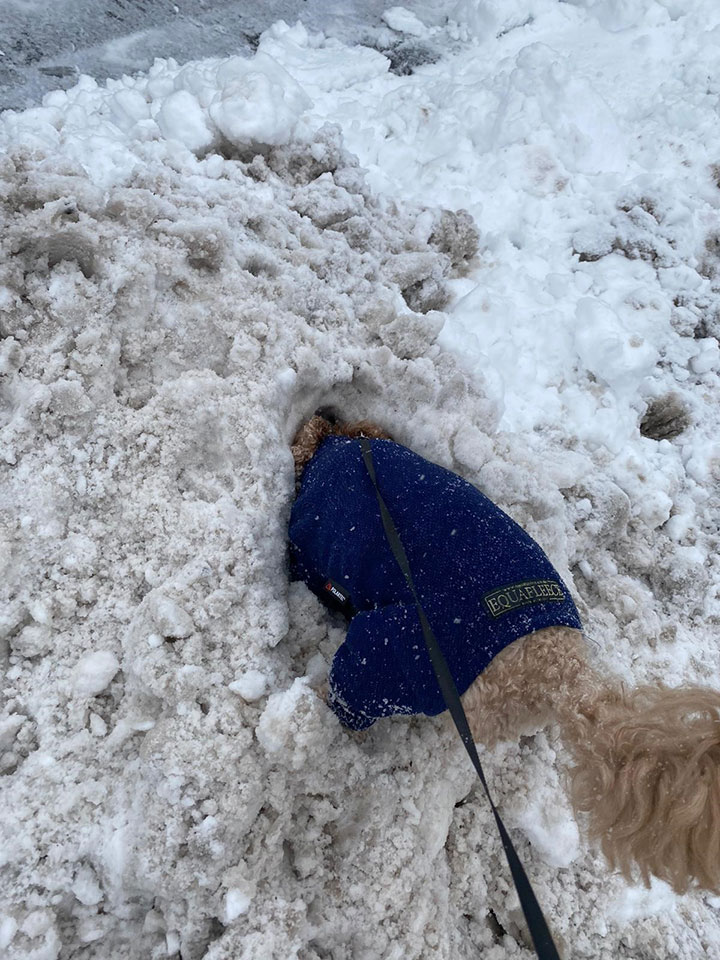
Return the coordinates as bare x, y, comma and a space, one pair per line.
367, 679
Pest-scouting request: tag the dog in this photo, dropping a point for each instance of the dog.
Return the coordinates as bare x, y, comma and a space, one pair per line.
646, 771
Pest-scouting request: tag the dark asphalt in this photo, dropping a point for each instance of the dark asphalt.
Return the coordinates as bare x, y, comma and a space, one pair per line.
47, 45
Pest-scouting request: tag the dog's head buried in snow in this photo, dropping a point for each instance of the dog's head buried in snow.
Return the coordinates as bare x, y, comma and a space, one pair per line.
647, 760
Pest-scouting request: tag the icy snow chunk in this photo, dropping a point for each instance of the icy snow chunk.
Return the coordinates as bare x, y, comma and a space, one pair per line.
93, 673
707, 357
316, 669
471, 447
86, 887
702, 463
481, 18
32, 641
410, 335
286, 379
171, 619
275, 728
593, 242
251, 685
182, 118
403, 20
636, 902
259, 102
321, 62
410, 267
551, 829
236, 903
9, 728
544, 94
69, 400
679, 525
79, 554
325, 203
127, 107
420, 276
608, 350
436, 817
296, 728
654, 508
616, 16
98, 727
8, 928
40, 611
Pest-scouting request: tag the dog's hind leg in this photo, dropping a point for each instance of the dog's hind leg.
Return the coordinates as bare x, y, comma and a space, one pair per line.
527, 684
647, 761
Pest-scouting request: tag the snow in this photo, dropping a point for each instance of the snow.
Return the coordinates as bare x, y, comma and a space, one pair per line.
169, 617
403, 20
636, 903
181, 118
193, 260
236, 903
260, 104
93, 673
252, 685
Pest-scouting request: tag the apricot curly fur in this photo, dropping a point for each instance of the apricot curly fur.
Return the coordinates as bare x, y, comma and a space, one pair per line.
311, 435
648, 775
647, 761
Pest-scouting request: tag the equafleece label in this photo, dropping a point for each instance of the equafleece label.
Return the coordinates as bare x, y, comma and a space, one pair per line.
505, 599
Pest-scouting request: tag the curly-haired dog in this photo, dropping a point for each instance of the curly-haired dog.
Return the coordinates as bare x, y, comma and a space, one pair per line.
647, 761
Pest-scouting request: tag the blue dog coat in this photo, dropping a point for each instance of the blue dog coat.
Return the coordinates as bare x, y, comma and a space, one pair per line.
482, 580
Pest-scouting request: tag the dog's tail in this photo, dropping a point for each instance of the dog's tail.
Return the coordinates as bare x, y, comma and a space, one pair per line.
648, 775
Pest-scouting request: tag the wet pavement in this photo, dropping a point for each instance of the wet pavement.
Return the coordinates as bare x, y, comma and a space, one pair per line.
45, 46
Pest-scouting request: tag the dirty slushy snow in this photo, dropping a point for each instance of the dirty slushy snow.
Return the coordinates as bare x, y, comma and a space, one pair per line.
192, 262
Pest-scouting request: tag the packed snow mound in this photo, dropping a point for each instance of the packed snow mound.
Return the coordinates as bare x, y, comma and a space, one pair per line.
169, 767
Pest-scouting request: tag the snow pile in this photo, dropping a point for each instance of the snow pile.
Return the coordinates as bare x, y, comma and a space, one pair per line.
166, 326
191, 263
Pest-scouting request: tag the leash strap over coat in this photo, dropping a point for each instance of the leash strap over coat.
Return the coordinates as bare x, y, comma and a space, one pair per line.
541, 937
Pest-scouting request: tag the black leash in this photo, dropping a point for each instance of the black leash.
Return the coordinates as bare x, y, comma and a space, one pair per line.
541, 937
